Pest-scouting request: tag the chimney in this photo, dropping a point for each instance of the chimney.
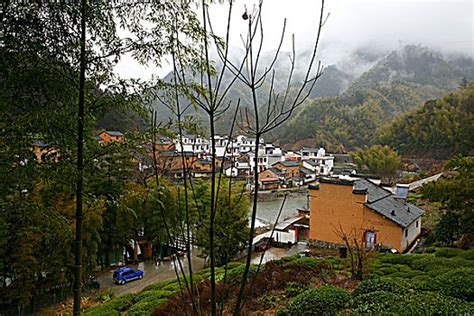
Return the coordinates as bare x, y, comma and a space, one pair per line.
402, 190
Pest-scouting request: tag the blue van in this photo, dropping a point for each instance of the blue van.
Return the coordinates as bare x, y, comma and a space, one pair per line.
123, 275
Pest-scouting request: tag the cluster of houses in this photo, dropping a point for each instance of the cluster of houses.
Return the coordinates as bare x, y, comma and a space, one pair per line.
342, 204
235, 157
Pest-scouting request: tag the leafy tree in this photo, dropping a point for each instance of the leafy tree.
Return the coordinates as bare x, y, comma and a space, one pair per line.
231, 220
378, 160
455, 193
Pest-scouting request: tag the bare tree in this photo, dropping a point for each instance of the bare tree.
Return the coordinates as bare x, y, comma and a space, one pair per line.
358, 252
208, 91
277, 107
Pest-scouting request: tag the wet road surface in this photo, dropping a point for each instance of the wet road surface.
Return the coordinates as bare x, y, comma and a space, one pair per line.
153, 274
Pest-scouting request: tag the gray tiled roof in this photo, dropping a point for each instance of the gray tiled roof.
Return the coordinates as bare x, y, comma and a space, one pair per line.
397, 210
288, 163
114, 133
309, 149
386, 204
374, 192
306, 170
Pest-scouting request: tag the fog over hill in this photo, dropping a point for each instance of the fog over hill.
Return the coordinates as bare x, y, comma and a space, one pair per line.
422, 72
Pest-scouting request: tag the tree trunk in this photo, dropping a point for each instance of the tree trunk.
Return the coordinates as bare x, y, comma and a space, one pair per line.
80, 165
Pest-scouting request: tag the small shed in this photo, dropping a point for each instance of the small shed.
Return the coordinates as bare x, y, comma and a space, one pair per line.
292, 230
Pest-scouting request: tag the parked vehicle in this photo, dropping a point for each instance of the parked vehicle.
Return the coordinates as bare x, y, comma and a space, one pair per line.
123, 275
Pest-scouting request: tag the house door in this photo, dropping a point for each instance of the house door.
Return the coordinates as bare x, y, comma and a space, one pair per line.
302, 234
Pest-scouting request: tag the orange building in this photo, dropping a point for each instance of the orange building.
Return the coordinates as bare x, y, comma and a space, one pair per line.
363, 210
108, 136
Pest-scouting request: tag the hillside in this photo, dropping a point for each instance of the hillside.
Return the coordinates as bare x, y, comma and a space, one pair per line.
394, 85
440, 282
348, 103
438, 128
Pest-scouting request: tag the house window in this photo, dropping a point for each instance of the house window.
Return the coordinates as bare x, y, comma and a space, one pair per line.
417, 223
406, 232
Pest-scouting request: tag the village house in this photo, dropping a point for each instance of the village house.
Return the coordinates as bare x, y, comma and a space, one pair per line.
363, 210
44, 152
170, 163
289, 167
270, 179
110, 136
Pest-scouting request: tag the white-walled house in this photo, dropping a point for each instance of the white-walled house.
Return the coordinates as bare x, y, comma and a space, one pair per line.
321, 164
191, 143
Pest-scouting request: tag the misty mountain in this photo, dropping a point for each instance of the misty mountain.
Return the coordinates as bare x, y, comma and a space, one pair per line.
395, 81
413, 64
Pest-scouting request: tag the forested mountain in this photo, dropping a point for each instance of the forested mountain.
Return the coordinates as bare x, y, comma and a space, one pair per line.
439, 128
349, 104
395, 84
414, 64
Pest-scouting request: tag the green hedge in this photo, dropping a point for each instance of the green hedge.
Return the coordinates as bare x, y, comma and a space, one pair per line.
374, 302
379, 284
154, 293
456, 283
326, 300
294, 288
430, 303
112, 307
146, 306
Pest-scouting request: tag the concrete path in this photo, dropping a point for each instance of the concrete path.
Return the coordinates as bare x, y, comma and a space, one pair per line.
153, 274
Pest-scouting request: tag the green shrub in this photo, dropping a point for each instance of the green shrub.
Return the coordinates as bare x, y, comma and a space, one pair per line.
112, 307
103, 296
237, 272
286, 259
397, 259
324, 300
158, 286
448, 252
377, 285
456, 283
407, 275
306, 262
174, 287
430, 263
431, 249
430, 303
152, 293
233, 265
146, 306
374, 302
294, 288
468, 254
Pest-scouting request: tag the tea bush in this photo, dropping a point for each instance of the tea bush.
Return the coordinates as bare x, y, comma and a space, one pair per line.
112, 307
456, 283
374, 302
146, 306
448, 252
379, 284
326, 300
294, 288
430, 303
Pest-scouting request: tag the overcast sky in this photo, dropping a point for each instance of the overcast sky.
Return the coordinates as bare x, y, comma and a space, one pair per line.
447, 25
